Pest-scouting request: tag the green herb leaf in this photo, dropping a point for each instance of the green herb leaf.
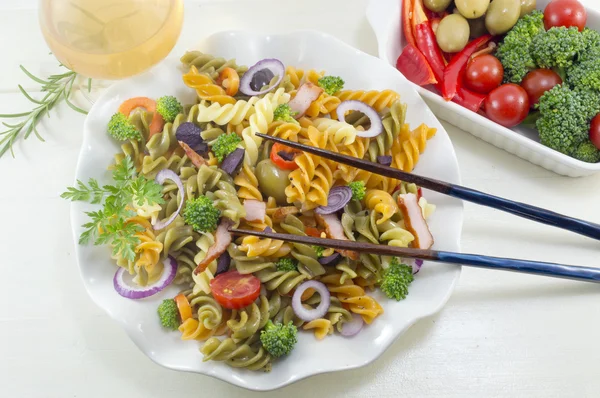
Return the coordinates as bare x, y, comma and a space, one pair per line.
57, 87
109, 225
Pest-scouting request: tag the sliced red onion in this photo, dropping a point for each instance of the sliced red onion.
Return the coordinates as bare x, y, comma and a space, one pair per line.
189, 133
332, 260
285, 155
307, 93
417, 266
255, 210
384, 160
305, 314
336, 200
223, 263
274, 65
163, 175
353, 327
268, 229
232, 162
139, 292
359, 106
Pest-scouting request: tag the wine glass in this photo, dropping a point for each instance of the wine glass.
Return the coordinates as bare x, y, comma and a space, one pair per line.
110, 39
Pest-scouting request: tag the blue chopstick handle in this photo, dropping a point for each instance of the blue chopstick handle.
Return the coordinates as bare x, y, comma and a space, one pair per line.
584, 274
581, 227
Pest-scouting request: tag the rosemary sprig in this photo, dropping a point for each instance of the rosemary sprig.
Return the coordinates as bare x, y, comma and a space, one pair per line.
57, 87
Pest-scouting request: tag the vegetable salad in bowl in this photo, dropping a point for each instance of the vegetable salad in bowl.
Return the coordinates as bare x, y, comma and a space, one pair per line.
188, 172
512, 63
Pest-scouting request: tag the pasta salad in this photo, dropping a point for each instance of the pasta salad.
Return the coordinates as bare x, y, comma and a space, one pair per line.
187, 173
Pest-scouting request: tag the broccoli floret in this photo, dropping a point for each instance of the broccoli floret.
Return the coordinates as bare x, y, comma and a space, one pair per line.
590, 100
168, 314
585, 74
514, 52
587, 152
121, 129
225, 144
358, 190
201, 214
286, 264
168, 107
563, 122
396, 279
284, 113
591, 49
557, 48
331, 84
279, 339
319, 250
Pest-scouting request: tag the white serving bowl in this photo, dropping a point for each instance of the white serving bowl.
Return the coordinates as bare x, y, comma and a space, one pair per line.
385, 19
430, 291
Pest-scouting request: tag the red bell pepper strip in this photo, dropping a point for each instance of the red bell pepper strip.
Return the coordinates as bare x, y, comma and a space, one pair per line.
407, 28
456, 68
468, 99
414, 66
427, 44
279, 161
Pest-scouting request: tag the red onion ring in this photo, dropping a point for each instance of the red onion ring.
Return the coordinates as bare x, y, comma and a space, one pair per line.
138, 292
306, 314
336, 200
354, 105
353, 327
274, 65
163, 175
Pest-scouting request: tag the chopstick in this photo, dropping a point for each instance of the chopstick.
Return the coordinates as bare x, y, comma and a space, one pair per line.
524, 210
577, 273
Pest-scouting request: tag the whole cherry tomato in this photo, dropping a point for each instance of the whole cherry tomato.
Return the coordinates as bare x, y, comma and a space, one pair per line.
507, 105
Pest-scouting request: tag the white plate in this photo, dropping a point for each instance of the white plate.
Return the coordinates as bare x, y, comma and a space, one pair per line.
385, 19
429, 292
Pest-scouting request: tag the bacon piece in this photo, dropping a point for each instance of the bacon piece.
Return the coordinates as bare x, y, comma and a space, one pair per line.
196, 159
222, 241
335, 230
255, 210
307, 93
282, 212
414, 221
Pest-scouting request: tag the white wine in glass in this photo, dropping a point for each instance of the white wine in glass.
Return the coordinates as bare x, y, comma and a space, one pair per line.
111, 39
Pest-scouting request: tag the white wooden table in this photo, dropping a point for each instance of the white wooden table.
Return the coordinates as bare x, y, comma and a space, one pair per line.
501, 334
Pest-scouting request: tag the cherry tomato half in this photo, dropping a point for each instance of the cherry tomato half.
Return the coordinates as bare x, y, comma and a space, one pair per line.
537, 82
595, 131
234, 291
484, 73
565, 13
508, 105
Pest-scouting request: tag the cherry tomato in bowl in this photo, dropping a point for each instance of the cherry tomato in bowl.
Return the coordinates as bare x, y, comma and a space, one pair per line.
507, 105
483, 74
566, 13
537, 82
234, 290
595, 131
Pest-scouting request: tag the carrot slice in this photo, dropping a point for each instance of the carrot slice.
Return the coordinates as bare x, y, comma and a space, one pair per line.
183, 305
232, 78
157, 123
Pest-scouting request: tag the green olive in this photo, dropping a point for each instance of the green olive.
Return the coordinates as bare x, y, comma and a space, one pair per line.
477, 27
472, 9
453, 33
527, 6
502, 15
272, 180
437, 5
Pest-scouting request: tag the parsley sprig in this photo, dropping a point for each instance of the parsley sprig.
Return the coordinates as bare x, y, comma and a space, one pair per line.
109, 225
